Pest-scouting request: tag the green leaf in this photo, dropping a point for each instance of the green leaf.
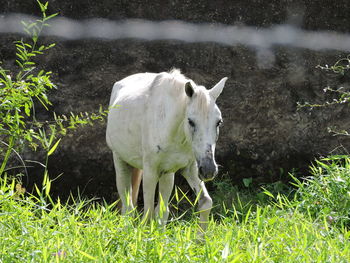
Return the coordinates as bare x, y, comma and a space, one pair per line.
20, 56
42, 102
51, 16
47, 184
31, 25
27, 31
268, 193
42, 6
247, 181
20, 46
53, 147
27, 109
29, 63
86, 255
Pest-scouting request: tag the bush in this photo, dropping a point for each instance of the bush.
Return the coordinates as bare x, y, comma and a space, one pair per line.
21, 90
326, 194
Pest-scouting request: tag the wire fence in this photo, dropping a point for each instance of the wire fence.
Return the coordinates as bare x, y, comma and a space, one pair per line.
285, 35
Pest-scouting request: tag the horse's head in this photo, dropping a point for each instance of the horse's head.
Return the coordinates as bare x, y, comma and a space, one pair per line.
202, 122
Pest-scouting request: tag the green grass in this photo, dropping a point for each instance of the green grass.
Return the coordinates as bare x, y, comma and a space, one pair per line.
327, 191
37, 229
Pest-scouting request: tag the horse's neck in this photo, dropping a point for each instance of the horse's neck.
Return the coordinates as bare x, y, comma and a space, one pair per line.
176, 113
178, 134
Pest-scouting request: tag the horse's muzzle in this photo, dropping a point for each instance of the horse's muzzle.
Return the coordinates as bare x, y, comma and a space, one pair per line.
207, 169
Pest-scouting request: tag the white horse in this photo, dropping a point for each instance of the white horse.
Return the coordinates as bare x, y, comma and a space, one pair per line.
160, 123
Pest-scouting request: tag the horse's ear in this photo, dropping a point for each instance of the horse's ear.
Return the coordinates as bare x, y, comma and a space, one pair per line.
189, 89
217, 89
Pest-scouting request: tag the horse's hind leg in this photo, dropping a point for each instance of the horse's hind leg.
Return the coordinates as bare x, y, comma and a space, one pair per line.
166, 185
136, 181
123, 176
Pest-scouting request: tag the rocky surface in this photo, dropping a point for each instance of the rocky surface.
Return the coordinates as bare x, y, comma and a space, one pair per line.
263, 136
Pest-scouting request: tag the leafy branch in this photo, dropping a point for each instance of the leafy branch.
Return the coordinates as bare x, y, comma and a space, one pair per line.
21, 92
342, 94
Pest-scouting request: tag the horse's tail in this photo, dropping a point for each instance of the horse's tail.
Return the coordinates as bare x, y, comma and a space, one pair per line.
136, 181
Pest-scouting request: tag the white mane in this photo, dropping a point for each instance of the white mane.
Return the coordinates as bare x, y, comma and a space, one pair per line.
202, 97
176, 82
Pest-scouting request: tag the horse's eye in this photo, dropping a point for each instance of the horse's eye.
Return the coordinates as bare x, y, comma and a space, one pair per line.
219, 123
191, 123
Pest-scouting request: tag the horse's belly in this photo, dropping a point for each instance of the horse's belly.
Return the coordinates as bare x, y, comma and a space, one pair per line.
129, 152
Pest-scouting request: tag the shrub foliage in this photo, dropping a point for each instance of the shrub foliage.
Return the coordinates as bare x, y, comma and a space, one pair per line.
22, 90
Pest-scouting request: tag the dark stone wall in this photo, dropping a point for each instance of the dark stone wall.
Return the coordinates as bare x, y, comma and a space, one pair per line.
310, 14
264, 136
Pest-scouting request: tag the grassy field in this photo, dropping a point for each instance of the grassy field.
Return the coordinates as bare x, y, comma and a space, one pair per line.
271, 224
278, 229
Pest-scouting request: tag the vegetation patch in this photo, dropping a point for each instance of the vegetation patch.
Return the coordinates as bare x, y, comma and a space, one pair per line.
34, 228
273, 224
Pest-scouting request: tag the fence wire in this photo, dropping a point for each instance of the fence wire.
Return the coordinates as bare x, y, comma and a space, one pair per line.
262, 40
285, 35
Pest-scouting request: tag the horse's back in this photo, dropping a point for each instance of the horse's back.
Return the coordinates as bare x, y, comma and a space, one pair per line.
131, 87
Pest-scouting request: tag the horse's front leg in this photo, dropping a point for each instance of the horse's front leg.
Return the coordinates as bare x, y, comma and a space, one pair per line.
166, 185
205, 202
149, 183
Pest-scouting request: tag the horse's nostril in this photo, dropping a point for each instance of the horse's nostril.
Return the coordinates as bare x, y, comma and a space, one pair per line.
200, 169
